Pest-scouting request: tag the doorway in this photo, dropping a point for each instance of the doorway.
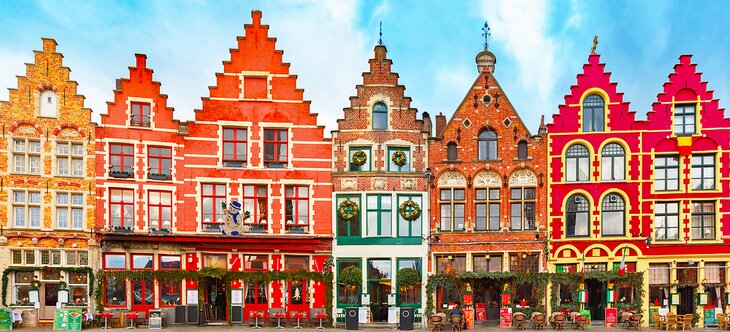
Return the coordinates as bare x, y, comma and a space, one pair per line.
487, 293
686, 300
256, 299
596, 299
379, 291
50, 299
215, 300
143, 295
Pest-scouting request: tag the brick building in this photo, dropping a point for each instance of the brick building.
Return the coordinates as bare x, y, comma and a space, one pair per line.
46, 186
655, 189
380, 155
488, 195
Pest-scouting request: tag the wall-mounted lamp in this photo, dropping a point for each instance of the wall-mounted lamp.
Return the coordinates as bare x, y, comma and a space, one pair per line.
539, 179
429, 175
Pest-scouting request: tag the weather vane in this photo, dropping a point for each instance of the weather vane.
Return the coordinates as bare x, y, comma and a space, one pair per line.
595, 43
380, 40
486, 34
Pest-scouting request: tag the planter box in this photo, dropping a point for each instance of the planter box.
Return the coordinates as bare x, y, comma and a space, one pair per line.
296, 230
159, 177
236, 164
122, 230
120, 175
160, 231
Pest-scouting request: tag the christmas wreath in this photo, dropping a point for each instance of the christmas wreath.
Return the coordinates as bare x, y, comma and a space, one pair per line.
409, 210
399, 158
359, 158
348, 210
35, 284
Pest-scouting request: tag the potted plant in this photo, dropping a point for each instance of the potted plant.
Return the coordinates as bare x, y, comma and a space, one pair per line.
408, 277
159, 176
351, 276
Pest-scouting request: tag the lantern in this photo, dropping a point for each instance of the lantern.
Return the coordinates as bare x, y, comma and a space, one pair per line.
582, 296
702, 298
674, 299
611, 296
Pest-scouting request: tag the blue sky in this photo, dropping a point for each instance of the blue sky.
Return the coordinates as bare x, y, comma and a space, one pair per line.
540, 46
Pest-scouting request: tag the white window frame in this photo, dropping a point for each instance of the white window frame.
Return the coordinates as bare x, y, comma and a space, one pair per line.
71, 156
26, 205
71, 207
27, 156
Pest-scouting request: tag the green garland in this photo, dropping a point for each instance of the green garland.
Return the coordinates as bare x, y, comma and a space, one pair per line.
415, 210
13, 269
635, 279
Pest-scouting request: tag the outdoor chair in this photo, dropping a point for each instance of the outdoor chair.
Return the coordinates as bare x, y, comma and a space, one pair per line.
518, 321
141, 319
625, 316
687, 323
580, 322
538, 321
559, 322
436, 323
313, 320
721, 323
117, 320
456, 322
635, 321
670, 322
656, 320
273, 320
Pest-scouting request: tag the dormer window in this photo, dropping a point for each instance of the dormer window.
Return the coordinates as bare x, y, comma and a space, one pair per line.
684, 119
48, 104
380, 116
487, 145
593, 107
140, 114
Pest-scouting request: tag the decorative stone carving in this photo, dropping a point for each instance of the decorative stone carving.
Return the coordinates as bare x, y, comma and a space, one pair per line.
27, 130
379, 183
487, 179
348, 183
69, 132
408, 183
523, 178
452, 179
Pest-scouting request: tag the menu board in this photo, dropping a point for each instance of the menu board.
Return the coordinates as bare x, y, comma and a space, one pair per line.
236, 296
611, 317
505, 317
60, 322
155, 321
6, 319
75, 319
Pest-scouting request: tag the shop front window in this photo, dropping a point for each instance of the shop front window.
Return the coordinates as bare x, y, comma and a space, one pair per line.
115, 292
169, 292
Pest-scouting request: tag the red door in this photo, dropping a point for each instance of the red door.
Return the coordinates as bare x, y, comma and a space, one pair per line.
143, 295
298, 298
256, 299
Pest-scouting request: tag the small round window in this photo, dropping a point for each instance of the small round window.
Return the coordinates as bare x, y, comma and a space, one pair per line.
487, 99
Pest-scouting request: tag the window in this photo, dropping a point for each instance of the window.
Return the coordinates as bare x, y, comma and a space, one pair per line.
487, 145
486, 263
410, 295
29, 257
703, 220
235, 147
122, 156
522, 150
487, 209
380, 116
70, 210
256, 292
522, 208
170, 262
142, 292
48, 104
70, 159
524, 262
613, 161
256, 262
214, 195
27, 209
296, 263
593, 107
349, 228
577, 160
160, 214
409, 228
255, 202
215, 261
160, 163
703, 172
450, 264
684, 119
115, 262
366, 167
140, 114
115, 291
26, 156
80, 258
142, 262
17, 257
379, 215
297, 209
121, 207
451, 152
666, 220
392, 166
275, 148
347, 294
613, 215
452, 209
666, 173
170, 293
577, 216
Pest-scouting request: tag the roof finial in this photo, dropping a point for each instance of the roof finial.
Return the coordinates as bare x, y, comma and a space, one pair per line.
486, 33
595, 43
380, 40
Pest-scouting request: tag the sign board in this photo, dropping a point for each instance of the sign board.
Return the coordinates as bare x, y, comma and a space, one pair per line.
391, 299
365, 299
481, 311
652, 310
155, 321
74, 319
60, 322
33, 296
588, 314
709, 314
192, 296
236, 296
468, 298
62, 296
469, 317
611, 317
505, 317
6, 319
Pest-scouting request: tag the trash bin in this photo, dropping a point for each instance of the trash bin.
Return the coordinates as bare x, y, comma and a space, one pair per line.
406, 318
351, 318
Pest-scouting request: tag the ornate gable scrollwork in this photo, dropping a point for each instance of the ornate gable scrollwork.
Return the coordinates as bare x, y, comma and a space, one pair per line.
487, 179
452, 179
26, 130
523, 178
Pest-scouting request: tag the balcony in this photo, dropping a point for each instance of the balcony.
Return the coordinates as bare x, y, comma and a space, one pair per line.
120, 172
163, 174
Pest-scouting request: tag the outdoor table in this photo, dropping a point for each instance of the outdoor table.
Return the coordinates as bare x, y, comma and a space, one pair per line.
298, 315
321, 316
131, 316
256, 315
279, 316
106, 316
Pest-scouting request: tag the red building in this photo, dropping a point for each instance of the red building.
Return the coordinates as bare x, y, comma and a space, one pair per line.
254, 142
655, 188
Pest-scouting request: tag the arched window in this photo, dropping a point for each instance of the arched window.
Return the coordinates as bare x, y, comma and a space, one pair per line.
487, 145
48, 103
451, 154
380, 116
577, 163
593, 107
613, 158
577, 216
522, 150
613, 212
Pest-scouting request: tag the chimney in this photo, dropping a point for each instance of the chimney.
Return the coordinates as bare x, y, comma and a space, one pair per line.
427, 125
486, 61
141, 61
440, 124
542, 130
